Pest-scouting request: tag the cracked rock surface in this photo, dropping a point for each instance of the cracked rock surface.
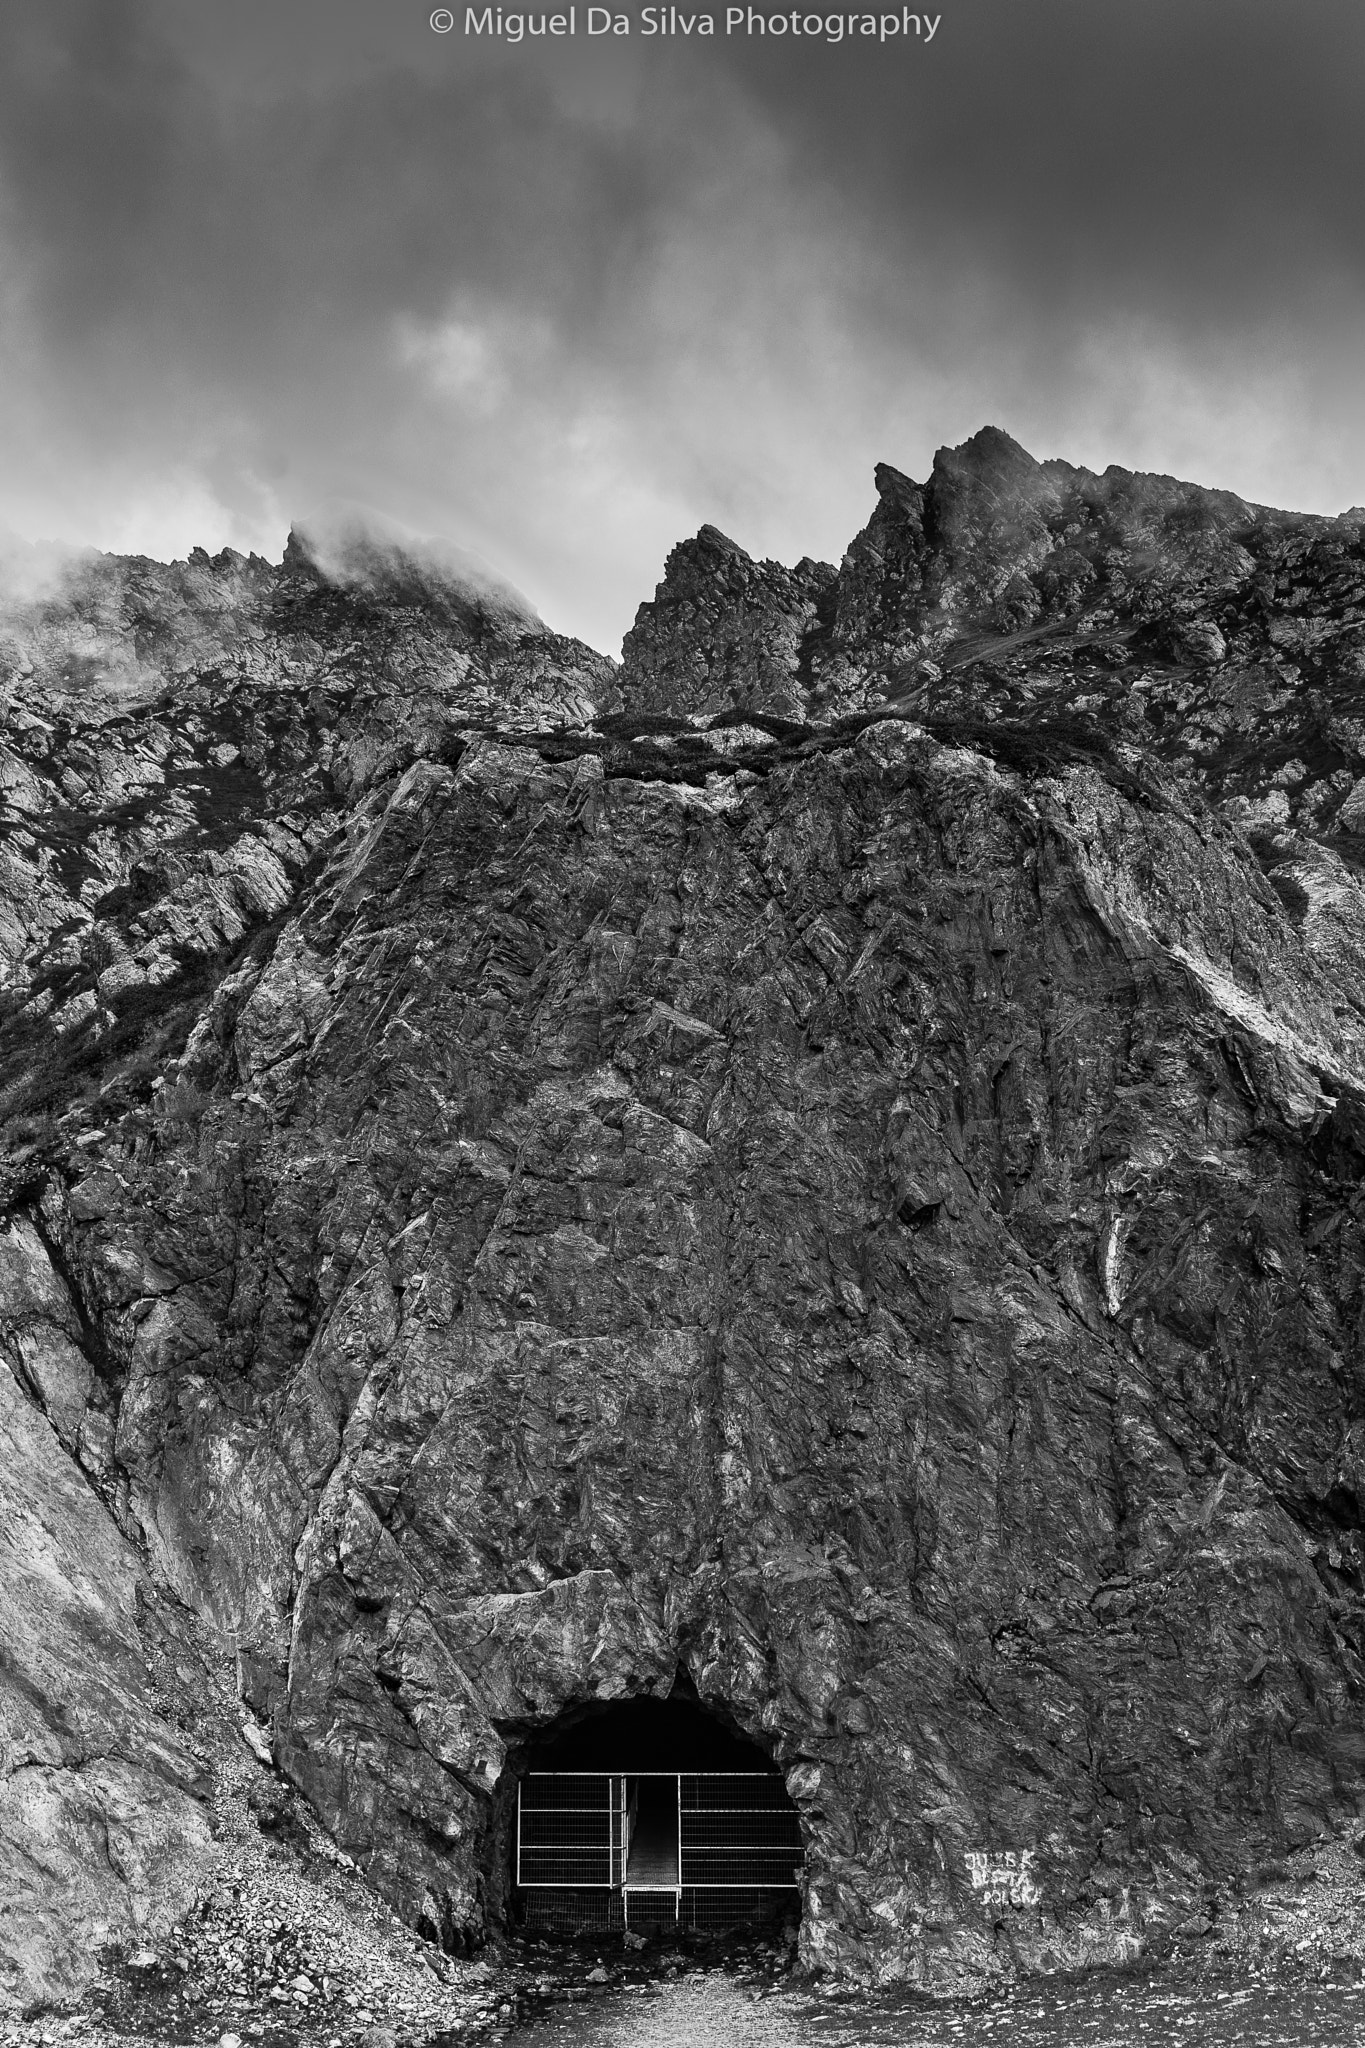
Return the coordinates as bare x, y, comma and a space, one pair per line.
827, 1160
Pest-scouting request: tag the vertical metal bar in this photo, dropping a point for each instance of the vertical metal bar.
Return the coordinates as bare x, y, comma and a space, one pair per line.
677, 1898
518, 1834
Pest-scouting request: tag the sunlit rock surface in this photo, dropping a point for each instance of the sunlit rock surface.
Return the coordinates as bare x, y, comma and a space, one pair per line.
826, 1160
101, 1803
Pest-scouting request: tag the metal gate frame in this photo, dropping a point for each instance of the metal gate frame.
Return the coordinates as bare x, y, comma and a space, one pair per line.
619, 1812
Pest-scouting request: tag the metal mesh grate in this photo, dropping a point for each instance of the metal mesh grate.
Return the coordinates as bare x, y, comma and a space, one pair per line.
729, 1791
652, 1909
760, 1828
734, 1906
740, 1866
737, 1831
569, 1830
573, 1830
562, 1910
727, 1830
565, 1866
561, 1789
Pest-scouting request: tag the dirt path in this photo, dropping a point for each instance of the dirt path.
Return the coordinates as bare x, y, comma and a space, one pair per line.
719, 2011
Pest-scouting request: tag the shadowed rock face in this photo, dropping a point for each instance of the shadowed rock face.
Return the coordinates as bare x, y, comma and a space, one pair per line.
726, 632
858, 1210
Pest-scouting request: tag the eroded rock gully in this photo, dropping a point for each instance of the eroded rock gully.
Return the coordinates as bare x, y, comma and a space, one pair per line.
827, 1160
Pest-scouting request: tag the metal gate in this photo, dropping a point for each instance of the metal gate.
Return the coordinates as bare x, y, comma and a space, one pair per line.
652, 1837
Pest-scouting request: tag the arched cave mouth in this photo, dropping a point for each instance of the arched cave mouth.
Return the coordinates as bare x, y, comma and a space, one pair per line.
648, 1815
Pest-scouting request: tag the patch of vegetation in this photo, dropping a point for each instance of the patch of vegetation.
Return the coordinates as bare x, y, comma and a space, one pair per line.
628, 745
625, 725
1036, 746
764, 721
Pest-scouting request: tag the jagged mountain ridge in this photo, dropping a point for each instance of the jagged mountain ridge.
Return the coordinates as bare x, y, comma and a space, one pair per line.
997, 567
827, 1158
180, 742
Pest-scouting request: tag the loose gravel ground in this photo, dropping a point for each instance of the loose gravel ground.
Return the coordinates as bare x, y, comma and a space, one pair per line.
727, 2012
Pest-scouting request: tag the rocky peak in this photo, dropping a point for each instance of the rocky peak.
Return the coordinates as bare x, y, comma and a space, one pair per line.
987, 484
989, 510
989, 460
899, 494
380, 566
724, 632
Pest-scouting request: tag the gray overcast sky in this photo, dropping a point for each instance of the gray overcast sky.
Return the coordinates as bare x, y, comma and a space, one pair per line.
562, 302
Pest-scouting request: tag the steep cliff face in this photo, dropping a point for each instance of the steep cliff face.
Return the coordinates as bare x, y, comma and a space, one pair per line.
860, 1209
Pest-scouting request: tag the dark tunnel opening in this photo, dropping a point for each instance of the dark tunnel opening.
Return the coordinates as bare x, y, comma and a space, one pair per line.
633, 1735
645, 1815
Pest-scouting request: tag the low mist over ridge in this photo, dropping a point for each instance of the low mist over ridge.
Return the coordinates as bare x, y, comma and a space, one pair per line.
362, 552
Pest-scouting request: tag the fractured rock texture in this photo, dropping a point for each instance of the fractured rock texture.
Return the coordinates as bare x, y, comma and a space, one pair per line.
725, 632
841, 1179
101, 1811
179, 742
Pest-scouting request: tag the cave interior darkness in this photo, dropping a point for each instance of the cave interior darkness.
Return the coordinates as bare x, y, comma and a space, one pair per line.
676, 1734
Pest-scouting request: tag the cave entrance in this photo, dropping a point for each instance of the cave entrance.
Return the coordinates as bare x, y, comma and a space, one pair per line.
650, 1814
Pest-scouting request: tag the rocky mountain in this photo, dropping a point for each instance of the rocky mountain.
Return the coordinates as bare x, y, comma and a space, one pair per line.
825, 1161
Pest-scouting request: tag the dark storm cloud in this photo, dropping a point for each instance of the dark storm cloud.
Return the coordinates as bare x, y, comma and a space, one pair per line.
564, 304
1204, 155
